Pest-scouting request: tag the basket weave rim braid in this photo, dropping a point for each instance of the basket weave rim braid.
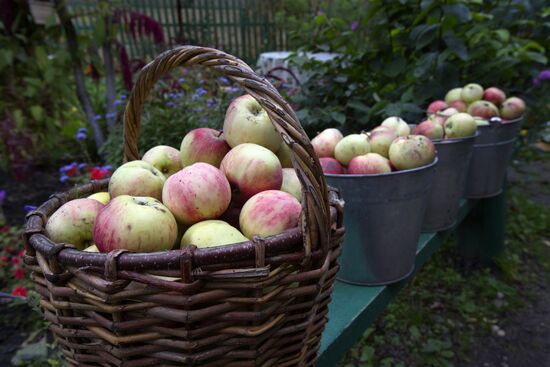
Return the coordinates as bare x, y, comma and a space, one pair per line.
316, 216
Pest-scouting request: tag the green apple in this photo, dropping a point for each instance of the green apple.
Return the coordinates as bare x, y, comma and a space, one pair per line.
137, 178
291, 183
210, 233
351, 146
460, 125
380, 140
284, 156
408, 152
102, 197
164, 158
398, 125
471, 93
453, 95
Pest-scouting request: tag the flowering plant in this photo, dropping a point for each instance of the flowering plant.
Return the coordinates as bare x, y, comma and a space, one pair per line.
12, 272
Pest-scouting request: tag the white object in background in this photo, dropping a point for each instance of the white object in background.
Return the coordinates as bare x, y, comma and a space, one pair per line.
268, 61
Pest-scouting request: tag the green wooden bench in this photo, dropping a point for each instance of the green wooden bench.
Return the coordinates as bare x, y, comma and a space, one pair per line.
480, 230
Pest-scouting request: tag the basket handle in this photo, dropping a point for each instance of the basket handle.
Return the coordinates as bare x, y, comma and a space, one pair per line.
315, 206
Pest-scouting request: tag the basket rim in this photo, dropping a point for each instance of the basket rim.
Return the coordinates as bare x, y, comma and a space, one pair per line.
36, 236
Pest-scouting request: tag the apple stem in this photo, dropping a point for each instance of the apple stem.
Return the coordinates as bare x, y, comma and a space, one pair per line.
220, 132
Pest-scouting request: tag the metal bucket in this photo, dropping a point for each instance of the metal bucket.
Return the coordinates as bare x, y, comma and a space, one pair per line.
491, 154
448, 183
383, 216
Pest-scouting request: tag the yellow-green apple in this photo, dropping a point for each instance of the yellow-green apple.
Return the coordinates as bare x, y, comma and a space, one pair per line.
494, 95
210, 233
102, 197
369, 163
91, 248
331, 165
197, 192
512, 108
135, 223
453, 95
460, 125
251, 168
284, 156
471, 92
407, 152
483, 109
247, 122
442, 116
268, 213
380, 140
73, 222
291, 183
481, 121
459, 105
137, 178
436, 106
351, 146
164, 158
429, 128
398, 125
325, 142
203, 145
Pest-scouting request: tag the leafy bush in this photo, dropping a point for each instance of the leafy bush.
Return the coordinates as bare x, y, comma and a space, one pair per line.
178, 104
396, 56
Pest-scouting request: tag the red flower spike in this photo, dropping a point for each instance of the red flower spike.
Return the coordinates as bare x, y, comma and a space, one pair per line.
19, 291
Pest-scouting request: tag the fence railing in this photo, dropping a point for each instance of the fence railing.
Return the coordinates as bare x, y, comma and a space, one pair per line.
244, 28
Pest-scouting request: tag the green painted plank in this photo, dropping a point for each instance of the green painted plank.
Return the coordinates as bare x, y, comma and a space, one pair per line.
354, 308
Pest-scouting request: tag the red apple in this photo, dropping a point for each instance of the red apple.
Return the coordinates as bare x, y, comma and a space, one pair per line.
73, 222
459, 105
483, 109
331, 165
512, 108
369, 163
269, 213
494, 95
429, 128
134, 223
197, 192
203, 145
436, 106
247, 122
164, 158
324, 143
407, 152
250, 169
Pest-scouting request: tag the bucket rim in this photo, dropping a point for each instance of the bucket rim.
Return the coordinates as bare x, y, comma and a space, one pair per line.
393, 173
495, 126
456, 140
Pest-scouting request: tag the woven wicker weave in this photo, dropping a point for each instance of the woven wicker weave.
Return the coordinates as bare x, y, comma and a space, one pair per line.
259, 303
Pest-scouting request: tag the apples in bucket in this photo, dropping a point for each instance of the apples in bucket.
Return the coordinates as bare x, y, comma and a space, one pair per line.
235, 175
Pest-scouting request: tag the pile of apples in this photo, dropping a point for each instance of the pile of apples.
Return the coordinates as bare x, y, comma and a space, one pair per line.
389, 147
220, 188
485, 106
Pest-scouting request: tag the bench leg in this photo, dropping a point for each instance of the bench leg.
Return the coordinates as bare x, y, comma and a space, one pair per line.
481, 235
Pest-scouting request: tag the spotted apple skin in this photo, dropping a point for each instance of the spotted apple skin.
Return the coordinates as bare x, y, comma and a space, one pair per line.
331, 166
198, 192
325, 143
203, 145
269, 213
137, 178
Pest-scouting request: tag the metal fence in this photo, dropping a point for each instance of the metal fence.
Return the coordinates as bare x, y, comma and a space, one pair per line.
244, 28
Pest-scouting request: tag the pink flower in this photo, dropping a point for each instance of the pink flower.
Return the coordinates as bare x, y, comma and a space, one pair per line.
19, 274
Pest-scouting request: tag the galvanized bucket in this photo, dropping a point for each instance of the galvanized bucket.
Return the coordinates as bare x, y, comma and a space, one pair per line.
448, 183
491, 154
383, 216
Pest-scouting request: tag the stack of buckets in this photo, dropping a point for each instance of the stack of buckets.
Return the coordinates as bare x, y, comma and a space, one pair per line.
385, 213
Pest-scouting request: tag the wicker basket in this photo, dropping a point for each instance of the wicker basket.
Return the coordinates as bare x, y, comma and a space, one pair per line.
258, 303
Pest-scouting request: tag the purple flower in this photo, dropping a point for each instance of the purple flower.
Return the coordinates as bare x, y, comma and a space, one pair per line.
354, 25
107, 167
63, 178
197, 109
536, 82
210, 102
97, 117
181, 80
169, 104
110, 115
223, 80
232, 89
123, 96
29, 208
544, 75
83, 130
118, 102
82, 165
2, 196
80, 136
201, 81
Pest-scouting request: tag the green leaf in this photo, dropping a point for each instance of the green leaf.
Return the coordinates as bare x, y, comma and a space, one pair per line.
503, 35
456, 45
424, 64
36, 112
41, 57
359, 106
424, 34
536, 57
320, 19
338, 117
99, 30
460, 11
395, 67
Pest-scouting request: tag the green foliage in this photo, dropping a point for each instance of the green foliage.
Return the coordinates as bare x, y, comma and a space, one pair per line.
434, 320
178, 104
396, 56
37, 111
